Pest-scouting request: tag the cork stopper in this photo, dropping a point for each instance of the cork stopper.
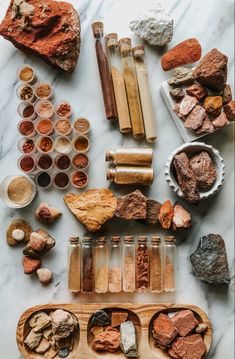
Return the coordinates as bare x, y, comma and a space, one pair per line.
142, 239
156, 239
73, 240
129, 239
170, 239
125, 45
97, 28
111, 39
101, 239
109, 156
115, 239
87, 239
138, 51
110, 175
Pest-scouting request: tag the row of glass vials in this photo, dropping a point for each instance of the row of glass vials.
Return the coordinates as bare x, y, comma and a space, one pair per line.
122, 265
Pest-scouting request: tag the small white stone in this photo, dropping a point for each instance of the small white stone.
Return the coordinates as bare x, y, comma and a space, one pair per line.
154, 26
18, 235
44, 275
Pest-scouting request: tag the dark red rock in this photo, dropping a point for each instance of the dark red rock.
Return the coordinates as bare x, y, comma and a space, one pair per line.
220, 121
190, 347
206, 127
172, 354
49, 29
197, 90
212, 70
227, 95
164, 330
182, 218
229, 110
204, 170
185, 322
195, 118
132, 206
31, 265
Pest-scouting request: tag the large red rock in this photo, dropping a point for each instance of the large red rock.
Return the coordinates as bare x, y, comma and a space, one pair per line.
108, 340
164, 330
185, 321
190, 347
47, 28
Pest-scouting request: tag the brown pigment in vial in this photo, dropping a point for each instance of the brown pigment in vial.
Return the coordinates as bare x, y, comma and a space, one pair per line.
142, 267
87, 270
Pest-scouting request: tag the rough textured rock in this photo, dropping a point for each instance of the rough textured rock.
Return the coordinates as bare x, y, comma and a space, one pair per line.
39, 322
185, 322
204, 169
128, 339
154, 26
177, 93
182, 76
33, 340
197, 90
210, 262
181, 218
227, 95
63, 324
47, 28
164, 330
109, 340
190, 347
187, 104
43, 346
31, 265
166, 214
195, 118
206, 127
40, 243
101, 318
153, 210
186, 52
93, 208
46, 213
18, 224
213, 105
212, 70
229, 110
132, 206
186, 178
118, 318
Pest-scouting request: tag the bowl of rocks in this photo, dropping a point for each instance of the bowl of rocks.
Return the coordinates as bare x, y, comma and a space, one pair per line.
195, 171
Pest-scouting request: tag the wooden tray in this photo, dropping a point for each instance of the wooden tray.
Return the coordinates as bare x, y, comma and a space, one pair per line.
142, 316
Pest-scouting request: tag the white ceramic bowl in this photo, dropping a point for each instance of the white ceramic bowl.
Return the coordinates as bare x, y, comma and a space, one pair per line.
192, 148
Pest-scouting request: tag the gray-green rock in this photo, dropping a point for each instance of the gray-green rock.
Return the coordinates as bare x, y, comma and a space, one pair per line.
128, 340
101, 318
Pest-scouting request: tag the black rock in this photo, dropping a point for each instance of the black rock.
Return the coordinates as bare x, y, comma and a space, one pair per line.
100, 318
210, 262
63, 353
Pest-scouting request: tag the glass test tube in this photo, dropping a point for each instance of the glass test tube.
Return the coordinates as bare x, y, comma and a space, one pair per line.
101, 266
74, 265
128, 259
142, 264
87, 265
170, 264
115, 265
156, 265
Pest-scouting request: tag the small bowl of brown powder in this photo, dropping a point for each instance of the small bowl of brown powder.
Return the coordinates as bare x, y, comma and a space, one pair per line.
25, 92
43, 91
26, 128
79, 179
80, 161
26, 146
81, 144
61, 180
44, 109
26, 111
26, 164
26, 74
44, 126
63, 127
82, 126
45, 144
63, 109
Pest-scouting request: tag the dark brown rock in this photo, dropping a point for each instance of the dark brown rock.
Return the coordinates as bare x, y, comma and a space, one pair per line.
227, 95
229, 110
164, 330
181, 218
220, 121
197, 90
206, 127
190, 347
204, 169
185, 322
213, 105
49, 29
212, 70
132, 206
186, 178
187, 104
177, 93
182, 76
210, 262
153, 211
195, 118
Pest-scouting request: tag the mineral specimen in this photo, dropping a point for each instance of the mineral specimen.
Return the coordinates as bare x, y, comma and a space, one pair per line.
212, 70
128, 339
31, 265
43, 346
186, 178
185, 322
101, 318
204, 169
190, 347
229, 110
201, 328
176, 109
187, 104
50, 354
44, 275
195, 118
181, 218
153, 211
118, 318
33, 340
40, 243
96, 330
39, 322
182, 76
63, 353
63, 324
213, 105
49, 29
18, 224
93, 208
164, 330
47, 214
210, 262
154, 26
37, 242
177, 93
197, 90
206, 127
227, 95
132, 206
166, 214
108, 340
186, 52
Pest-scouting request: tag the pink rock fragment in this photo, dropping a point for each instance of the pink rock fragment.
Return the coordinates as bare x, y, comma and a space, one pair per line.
220, 121
187, 104
195, 118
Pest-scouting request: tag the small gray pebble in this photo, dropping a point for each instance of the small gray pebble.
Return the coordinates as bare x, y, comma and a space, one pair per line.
63, 353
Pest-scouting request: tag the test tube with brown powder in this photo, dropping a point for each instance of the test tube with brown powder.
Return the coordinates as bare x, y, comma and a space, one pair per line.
130, 78
104, 71
87, 265
74, 265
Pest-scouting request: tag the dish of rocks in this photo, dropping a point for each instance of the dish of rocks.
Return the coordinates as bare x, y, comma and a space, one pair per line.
142, 316
192, 149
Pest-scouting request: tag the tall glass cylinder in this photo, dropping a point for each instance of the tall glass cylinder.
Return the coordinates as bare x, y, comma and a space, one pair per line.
170, 264
74, 264
128, 260
101, 265
156, 265
115, 265
87, 265
142, 264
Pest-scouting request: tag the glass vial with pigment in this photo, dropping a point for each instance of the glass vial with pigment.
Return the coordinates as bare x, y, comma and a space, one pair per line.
130, 156
128, 68
111, 41
104, 71
156, 265
128, 264
145, 94
101, 265
170, 264
87, 265
74, 264
142, 264
130, 175
115, 265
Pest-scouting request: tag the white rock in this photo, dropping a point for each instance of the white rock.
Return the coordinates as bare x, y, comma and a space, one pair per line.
154, 26
44, 275
18, 235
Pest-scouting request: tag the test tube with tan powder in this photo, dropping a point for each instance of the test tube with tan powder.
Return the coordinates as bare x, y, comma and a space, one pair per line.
131, 83
145, 95
111, 41
104, 71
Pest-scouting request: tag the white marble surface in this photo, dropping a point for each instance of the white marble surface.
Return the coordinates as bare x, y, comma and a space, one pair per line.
212, 23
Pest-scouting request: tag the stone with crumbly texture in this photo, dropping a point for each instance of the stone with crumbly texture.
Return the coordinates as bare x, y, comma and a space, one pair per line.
182, 76
204, 170
181, 218
108, 340
92, 208
43, 346
187, 104
63, 324
40, 243
30, 264
220, 121
40, 321
164, 330
47, 214
49, 29
185, 322
227, 95
33, 340
213, 105
212, 70
190, 347
166, 214
195, 118
206, 127
153, 210
177, 93
197, 90
132, 206
229, 110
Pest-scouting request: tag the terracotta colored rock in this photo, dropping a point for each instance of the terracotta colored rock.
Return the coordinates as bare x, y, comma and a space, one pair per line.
197, 90
109, 340
177, 93
220, 121
132, 206
166, 214
31, 265
186, 178
92, 208
206, 127
187, 104
186, 52
212, 70
46, 213
195, 118
164, 330
204, 169
227, 95
172, 354
182, 76
49, 29
118, 318
185, 322
213, 105
181, 218
229, 110
153, 210
190, 347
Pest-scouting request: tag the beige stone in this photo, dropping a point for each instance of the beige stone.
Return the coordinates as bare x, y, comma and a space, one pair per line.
39, 322
43, 346
33, 340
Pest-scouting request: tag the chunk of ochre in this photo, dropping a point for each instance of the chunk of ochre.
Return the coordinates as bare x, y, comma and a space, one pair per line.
118, 318
164, 330
185, 322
